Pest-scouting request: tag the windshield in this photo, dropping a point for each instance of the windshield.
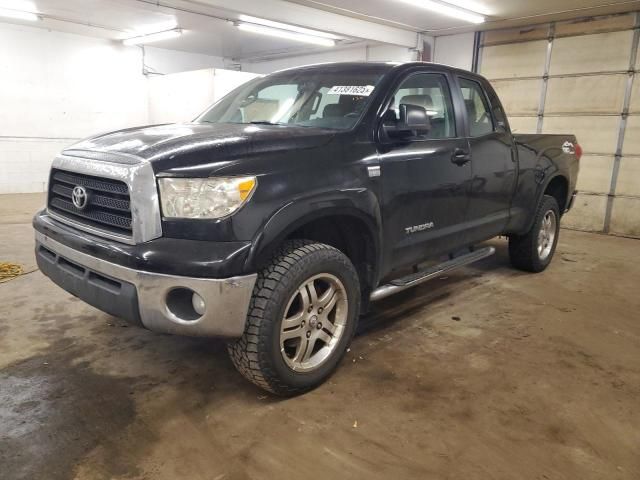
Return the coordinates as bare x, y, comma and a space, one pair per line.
303, 98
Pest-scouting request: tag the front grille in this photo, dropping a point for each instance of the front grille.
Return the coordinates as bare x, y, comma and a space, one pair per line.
108, 204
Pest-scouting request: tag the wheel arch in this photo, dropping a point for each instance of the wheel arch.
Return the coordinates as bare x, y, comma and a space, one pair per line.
350, 228
558, 188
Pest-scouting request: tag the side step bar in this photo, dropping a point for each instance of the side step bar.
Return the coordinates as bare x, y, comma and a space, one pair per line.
430, 273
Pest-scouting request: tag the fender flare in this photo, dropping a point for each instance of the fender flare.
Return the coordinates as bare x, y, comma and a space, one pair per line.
359, 203
557, 173
549, 172
540, 193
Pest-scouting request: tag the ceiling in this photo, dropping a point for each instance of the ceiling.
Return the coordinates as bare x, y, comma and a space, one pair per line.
207, 27
498, 12
205, 31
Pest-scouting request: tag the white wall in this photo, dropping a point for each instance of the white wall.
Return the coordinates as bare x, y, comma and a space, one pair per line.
56, 88
161, 60
180, 97
226, 80
455, 50
390, 53
378, 53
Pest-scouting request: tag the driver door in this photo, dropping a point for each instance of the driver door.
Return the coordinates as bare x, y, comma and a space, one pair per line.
425, 178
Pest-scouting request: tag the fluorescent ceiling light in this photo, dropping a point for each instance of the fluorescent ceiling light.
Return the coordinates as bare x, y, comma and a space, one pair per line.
153, 37
290, 35
26, 5
284, 26
19, 9
17, 14
448, 10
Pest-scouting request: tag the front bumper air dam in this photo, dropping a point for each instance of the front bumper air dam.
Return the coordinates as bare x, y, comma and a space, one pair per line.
159, 302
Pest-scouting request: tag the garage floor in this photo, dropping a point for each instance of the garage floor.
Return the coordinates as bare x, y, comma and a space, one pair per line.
489, 373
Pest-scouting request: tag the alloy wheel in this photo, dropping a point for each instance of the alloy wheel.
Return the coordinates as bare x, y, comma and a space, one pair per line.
314, 322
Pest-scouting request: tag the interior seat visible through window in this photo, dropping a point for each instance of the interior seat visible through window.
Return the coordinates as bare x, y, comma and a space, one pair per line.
425, 101
333, 110
478, 111
428, 91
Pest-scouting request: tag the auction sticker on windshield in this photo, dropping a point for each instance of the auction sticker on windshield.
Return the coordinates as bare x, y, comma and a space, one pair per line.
359, 90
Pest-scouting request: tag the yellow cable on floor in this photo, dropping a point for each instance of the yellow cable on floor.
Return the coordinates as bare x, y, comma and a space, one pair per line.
10, 270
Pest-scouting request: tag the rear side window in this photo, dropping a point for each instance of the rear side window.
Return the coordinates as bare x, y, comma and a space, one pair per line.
478, 111
431, 92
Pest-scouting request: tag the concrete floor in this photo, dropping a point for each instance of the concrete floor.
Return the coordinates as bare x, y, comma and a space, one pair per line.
536, 377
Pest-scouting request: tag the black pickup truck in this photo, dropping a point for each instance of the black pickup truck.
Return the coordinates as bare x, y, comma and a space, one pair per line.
275, 217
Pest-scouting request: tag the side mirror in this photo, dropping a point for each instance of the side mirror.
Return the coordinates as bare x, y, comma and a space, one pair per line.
415, 118
413, 121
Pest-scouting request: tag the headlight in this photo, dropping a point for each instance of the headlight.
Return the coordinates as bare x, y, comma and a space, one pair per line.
215, 197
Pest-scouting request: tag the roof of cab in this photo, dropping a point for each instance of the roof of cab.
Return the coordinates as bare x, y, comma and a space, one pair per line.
346, 67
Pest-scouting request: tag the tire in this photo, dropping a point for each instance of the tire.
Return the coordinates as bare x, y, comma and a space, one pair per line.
284, 327
533, 251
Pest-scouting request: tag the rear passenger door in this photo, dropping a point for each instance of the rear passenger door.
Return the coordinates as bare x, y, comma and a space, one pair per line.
493, 166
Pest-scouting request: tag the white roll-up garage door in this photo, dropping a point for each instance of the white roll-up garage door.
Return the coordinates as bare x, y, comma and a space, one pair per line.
578, 77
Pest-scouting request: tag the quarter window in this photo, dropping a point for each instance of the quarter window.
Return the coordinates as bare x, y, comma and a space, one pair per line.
478, 112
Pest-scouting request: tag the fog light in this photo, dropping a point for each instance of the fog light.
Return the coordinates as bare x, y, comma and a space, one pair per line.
182, 304
198, 304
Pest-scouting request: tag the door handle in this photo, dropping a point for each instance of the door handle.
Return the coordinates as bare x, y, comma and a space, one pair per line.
460, 156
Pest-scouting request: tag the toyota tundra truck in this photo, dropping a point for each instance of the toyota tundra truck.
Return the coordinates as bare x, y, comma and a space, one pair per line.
280, 213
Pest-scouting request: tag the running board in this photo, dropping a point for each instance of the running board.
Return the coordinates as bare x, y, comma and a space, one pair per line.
430, 273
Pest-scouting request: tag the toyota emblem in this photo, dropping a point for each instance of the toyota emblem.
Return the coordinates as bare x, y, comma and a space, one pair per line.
79, 197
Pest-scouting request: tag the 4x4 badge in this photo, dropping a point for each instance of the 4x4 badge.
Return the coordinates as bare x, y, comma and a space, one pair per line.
568, 147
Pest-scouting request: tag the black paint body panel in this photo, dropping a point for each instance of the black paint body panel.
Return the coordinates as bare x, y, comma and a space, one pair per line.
307, 173
170, 256
114, 296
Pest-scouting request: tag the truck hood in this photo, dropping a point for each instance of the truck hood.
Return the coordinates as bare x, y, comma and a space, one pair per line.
204, 142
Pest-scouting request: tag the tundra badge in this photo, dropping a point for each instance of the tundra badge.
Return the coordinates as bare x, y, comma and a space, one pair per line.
419, 228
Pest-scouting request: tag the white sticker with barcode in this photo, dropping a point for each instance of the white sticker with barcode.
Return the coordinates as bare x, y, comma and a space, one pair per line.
356, 90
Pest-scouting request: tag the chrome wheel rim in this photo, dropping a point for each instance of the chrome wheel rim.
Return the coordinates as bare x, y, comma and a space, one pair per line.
314, 322
547, 235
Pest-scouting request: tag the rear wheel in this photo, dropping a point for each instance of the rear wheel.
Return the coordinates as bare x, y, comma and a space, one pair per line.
533, 251
301, 319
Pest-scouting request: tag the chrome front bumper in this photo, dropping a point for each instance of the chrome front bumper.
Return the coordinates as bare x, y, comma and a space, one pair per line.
227, 300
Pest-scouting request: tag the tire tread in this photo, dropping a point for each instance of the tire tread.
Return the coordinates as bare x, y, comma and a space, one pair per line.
523, 248
248, 353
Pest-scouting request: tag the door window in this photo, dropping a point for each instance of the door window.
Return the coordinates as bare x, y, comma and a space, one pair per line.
431, 92
478, 112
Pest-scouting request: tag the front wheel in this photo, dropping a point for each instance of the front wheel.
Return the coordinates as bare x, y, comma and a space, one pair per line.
302, 316
534, 250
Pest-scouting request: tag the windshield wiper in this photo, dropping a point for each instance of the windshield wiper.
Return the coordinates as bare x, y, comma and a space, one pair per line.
256, 122
264, 122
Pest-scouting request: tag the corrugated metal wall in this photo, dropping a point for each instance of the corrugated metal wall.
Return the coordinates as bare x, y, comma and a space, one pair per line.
578, 77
